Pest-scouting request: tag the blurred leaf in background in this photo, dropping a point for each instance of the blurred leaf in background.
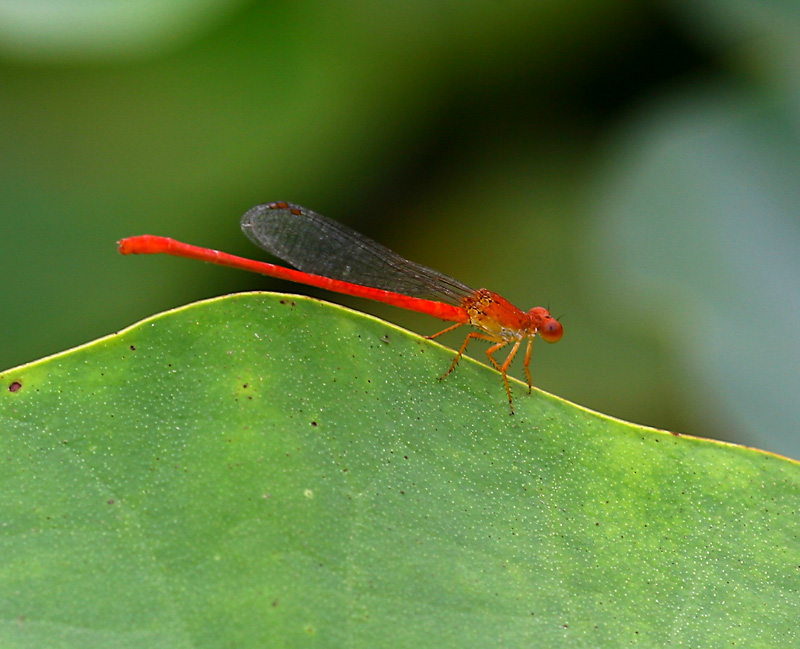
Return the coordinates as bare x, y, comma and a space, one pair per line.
89, 30
698, 225
514, 146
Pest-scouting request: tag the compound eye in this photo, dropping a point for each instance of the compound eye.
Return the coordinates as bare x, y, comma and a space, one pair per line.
551, 330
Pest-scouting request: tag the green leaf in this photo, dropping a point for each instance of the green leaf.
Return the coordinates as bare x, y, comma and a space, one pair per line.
274, 471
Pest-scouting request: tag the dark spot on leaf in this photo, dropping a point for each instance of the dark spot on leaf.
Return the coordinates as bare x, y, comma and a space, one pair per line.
15, 386
111, 502
313, 423
274, 603
133, 348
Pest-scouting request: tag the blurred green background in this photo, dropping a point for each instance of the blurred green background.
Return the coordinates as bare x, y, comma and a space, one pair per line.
633, 166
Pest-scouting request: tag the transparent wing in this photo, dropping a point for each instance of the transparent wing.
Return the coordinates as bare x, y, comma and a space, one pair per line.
315, 244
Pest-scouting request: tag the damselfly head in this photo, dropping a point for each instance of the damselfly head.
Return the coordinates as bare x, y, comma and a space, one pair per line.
548, 328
